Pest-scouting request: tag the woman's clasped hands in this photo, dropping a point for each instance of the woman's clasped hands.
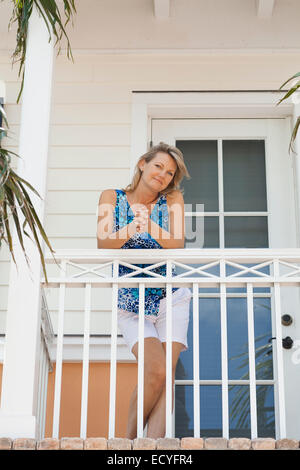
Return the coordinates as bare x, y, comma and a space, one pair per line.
141, 218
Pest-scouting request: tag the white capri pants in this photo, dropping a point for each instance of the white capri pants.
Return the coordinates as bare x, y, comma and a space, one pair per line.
128, 322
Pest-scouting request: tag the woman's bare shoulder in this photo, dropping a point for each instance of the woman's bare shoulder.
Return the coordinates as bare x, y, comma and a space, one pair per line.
108, 196
174, 196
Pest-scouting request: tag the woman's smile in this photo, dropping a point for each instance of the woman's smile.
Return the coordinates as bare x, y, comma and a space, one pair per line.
157, 179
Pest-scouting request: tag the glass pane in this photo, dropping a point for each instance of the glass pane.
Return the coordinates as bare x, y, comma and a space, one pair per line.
211, 411
244, 175
184, 411
209, 343
239, 411
194, 229
263, 335
201, 159
237, 339
246, 232
265, 411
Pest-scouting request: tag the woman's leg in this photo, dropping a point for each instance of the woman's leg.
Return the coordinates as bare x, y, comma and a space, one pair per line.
154, 379
157, 418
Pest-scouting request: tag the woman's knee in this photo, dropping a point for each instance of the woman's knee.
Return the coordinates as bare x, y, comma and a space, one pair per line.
155, 374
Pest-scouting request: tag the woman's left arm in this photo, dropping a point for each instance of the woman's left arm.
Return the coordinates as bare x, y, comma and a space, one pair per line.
176, 235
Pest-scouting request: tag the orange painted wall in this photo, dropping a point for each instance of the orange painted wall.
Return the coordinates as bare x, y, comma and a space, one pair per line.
98, 399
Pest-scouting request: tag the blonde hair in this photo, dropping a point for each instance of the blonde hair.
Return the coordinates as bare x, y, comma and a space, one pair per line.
180, 173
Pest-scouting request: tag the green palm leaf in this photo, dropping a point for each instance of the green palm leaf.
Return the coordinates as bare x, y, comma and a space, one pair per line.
292, 90
51, 15
14, 197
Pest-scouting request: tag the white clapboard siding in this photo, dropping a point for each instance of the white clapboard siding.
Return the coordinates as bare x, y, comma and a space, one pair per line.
91, 113
89, 243
12, 91
77, 202
78, 71
75, 306
8, 73
101, 134
4, 253
89, 157
12, 138
100, 298
73, 322
3, 304
65, 93
4, 270
13, 113
85, 179
70, 225
85, 113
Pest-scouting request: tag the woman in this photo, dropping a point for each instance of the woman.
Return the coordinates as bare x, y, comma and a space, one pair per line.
149, 213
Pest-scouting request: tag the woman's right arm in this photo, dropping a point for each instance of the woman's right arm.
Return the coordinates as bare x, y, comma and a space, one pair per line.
106, 238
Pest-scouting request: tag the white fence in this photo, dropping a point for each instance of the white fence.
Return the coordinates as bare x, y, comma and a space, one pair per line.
268, 268
47, 337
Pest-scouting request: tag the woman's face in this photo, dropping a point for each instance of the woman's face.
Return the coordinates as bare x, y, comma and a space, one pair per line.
159, 172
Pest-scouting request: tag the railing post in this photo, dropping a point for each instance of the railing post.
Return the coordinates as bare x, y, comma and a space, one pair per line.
196, 359
251, 354
279, 375
59, 351
140, 396
113, 354
85, 365
224, 351
169, 388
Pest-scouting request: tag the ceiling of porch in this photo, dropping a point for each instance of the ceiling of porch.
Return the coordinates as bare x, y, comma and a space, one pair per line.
176, 25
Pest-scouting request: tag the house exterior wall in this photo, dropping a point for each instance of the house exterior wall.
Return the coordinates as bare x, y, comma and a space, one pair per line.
90, 133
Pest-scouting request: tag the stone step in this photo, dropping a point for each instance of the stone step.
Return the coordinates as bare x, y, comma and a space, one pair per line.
185, 443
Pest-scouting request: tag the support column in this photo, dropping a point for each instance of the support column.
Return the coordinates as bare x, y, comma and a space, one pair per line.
22, 341
296, 147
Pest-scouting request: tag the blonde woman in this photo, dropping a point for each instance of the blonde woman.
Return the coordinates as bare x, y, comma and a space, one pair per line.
149, 213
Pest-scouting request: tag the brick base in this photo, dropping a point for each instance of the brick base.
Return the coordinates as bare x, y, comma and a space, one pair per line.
186, 443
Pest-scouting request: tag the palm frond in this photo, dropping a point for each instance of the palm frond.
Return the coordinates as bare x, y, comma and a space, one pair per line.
14, 198
291, 78
51, 15
293, 89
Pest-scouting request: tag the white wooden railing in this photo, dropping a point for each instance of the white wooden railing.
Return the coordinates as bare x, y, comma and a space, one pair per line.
284, 270
45, 365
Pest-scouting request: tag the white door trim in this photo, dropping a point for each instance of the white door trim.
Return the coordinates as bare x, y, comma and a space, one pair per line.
199, 104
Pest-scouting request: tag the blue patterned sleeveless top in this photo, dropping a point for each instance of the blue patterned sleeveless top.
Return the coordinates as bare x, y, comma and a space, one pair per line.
128, 298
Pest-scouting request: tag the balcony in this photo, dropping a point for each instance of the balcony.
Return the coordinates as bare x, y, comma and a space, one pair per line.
268, 276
